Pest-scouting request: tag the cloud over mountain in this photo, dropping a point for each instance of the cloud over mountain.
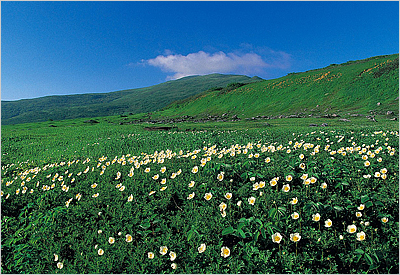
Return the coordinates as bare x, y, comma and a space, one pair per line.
201, 63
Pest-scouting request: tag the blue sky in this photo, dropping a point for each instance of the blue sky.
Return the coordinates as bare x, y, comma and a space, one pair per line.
58, 48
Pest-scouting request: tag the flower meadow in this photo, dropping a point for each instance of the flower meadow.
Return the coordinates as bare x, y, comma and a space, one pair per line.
324, 201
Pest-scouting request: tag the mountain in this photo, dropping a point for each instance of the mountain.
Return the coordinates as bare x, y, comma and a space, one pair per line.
114, 103
354, 87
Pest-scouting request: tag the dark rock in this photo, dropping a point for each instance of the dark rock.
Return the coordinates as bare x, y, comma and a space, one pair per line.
388, 113
395, 118
52, 125
344, 119
91, 121
313, 125
324, 124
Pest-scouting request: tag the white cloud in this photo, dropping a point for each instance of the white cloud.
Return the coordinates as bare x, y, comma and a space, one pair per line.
201, 63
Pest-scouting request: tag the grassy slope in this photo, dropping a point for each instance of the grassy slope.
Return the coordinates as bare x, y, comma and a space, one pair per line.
355, 87
103, 104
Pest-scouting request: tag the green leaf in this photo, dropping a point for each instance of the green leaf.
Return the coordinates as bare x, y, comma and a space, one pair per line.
256, 236
368, 258
227, 231
272, 213
241, 224
338, 208
281, 210
368, 204
145, 225
373, 266
364, 198
190, 235
359, 251
240, 231
263, 233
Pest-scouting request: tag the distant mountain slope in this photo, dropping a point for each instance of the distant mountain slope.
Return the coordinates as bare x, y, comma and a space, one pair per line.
355, 87
114, 103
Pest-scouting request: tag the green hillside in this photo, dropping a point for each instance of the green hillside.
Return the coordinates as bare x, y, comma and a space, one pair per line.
354, 87
114, 103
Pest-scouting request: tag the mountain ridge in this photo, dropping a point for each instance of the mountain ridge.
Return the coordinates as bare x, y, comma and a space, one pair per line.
140, 100
364, 86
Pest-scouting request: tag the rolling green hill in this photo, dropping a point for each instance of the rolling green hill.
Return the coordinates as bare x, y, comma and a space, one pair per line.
114, 103
354, 87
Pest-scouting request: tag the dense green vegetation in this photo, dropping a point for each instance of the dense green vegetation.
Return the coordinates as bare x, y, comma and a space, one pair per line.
353, 87
107, 198
115, 103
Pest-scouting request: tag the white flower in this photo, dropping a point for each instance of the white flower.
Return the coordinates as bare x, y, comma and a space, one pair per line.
172, 256
361, 236
228, 196
100, 252
328, 223
276, 238
222, 206
256, 186
55, 257
251, 200
225, 252
316, 217
202, 248
239, 203
295, 237
111, 240
358, 214
174, 265
295, 216
130, 198
208, 196
163, 250
294, 201
191, 196
60, 265
150, 255
286, 188
128, 238
351, 228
